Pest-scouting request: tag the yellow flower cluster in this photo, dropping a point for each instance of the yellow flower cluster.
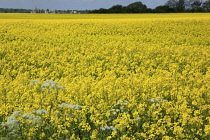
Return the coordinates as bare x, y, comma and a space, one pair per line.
127, 76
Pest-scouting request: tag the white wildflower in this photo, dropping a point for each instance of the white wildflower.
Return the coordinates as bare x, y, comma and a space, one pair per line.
41, 111
34, 82
157, 104
152, 100
108, 128
26, 115
115, 113
102, 128
46, 85
16, 113
112, 110
51, 83
76, 107
117, 110
121, 103
137, 119
112, 128
34, 119
157, 99
12, 123
13, 132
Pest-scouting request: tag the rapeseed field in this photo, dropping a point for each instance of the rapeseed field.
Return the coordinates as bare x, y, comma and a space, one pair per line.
114, 76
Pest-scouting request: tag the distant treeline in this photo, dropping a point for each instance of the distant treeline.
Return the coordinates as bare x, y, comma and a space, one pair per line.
10, 10
171, 6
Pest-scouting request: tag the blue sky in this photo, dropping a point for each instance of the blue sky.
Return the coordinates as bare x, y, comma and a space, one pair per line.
73, 4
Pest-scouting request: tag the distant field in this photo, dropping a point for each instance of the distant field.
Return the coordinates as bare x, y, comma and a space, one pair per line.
113, 76
104, 16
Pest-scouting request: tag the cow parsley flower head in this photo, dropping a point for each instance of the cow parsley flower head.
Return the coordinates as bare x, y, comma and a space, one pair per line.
121, 103
76, 107
16, 114
41, 111
26, 115
158, 99
137, 119
157, 104
119, 107
34, 82
51, 83
34, 119
108, 128
48, 84
12, 123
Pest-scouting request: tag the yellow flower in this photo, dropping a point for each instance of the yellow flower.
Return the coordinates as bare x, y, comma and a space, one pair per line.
178, 131
207, 130
42, 135
131, 76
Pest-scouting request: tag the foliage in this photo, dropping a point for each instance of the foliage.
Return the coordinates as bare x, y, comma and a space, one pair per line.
189, 5
9, 10
163, 9
135, 7
129, 76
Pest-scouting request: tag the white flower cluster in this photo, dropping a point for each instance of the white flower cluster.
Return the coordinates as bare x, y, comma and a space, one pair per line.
51, 83
48, 83
34, 82
12, 123
137, 119
108, 128
121, 103
158, 99
76, 107
119, 107
42, 111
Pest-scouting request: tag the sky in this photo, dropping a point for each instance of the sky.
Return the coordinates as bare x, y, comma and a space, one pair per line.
73, 4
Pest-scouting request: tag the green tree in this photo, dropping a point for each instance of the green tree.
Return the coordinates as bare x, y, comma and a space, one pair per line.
171, 3
181, 5
196, 6
163, 9
116, 9
177, 5
206, 6
136, 7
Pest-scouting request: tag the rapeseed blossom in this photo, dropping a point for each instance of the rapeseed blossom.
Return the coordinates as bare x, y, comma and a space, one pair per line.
127, 76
